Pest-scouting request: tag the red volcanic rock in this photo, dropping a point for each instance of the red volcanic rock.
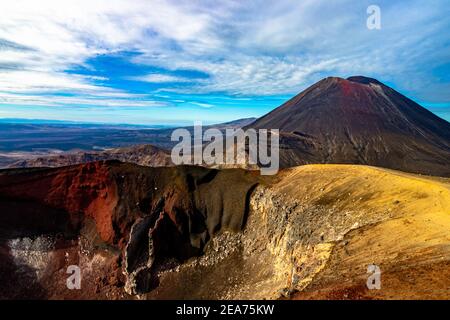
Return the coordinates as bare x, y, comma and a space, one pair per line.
78, 192
150, 214
359, 120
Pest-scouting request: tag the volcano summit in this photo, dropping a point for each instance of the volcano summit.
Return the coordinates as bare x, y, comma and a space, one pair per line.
359, 120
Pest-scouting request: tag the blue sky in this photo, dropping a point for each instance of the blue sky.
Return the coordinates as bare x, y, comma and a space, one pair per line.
173, 62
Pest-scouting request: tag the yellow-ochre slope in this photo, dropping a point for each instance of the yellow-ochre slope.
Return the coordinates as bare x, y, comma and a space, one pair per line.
403, 226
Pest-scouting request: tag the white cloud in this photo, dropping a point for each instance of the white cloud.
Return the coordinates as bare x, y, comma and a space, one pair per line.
246, 47
203, 105
62, 35
103, 100
251, 75
28, 81
160, 78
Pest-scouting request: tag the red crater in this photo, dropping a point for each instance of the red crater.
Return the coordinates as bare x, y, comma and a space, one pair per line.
147, 214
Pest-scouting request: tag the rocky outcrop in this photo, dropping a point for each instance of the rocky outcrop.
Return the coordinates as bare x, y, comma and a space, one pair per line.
312, 234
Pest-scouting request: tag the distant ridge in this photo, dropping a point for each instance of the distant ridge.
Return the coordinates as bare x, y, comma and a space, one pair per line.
144, 155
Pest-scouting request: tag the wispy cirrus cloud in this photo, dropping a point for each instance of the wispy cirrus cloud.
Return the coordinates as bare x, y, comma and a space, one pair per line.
160, 78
